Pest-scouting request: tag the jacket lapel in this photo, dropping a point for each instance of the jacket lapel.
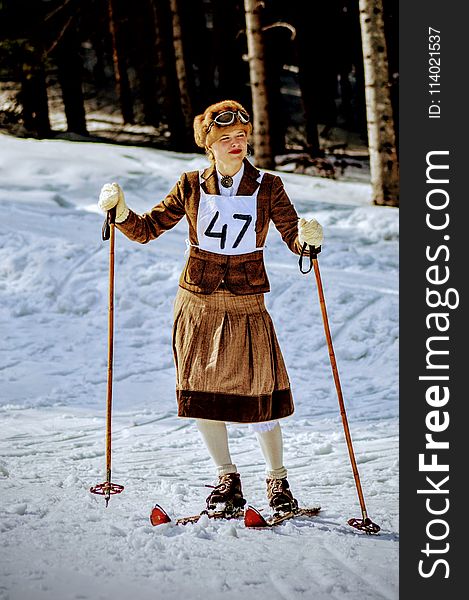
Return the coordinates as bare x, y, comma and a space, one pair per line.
210, 183
248, 184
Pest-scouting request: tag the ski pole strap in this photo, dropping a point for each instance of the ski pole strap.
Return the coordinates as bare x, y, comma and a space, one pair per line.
313, 253
110, 219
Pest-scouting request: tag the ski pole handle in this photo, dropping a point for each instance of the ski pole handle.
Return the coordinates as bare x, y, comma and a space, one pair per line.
109, 220
313, 254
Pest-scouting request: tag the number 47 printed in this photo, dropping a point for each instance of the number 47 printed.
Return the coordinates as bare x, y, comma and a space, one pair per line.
209, 232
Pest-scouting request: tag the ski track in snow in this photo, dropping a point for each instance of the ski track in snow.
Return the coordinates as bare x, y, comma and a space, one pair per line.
58, 540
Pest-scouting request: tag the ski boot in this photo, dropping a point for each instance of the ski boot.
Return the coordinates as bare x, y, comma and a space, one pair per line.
227, 496
280, 497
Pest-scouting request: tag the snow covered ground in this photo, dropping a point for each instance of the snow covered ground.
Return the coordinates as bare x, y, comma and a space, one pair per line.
57, 540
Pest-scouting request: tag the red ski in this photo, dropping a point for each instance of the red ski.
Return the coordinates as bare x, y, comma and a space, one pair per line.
159, 516
254, 519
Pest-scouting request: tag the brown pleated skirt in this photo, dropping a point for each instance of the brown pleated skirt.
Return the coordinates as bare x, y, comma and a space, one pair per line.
229, 366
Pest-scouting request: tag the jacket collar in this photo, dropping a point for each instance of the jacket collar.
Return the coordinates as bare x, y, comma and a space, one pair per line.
247, 186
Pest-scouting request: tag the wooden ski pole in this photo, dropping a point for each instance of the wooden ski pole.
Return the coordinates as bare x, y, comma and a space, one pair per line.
107, 488
364, 524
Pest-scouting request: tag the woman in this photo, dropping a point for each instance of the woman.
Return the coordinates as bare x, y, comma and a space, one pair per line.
229, 366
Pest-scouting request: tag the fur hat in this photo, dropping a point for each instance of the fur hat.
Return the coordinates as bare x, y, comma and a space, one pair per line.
202, 123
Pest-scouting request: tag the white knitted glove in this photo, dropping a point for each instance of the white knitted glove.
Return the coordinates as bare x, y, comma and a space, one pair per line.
112, 195
310, 232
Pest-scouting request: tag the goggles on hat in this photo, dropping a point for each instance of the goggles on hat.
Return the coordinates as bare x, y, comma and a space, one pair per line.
228, 117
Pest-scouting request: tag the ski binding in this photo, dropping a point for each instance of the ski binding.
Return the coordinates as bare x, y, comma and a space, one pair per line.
254, 519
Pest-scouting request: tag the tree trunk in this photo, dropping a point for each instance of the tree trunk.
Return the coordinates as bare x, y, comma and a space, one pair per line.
33, 95
231, 73
69, 67
198, 50
275, 45
180, 138
159, 54
350, 69
142, 56
181, 70
120, 71
381, 137
262, 146
317, 41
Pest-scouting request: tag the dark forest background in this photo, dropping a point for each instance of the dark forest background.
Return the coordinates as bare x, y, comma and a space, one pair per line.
139, 71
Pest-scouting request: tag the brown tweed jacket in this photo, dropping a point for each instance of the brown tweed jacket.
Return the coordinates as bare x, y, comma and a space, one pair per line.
204, 271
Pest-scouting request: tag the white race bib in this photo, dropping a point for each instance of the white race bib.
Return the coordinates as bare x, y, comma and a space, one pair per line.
227, 224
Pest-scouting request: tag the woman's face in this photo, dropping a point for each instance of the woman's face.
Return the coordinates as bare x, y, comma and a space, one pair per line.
230, 149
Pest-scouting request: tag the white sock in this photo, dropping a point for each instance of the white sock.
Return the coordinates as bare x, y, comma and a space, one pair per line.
263, 426
271, 444
215, 437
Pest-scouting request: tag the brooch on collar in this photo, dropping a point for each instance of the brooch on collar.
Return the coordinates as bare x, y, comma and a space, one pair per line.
226, 181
